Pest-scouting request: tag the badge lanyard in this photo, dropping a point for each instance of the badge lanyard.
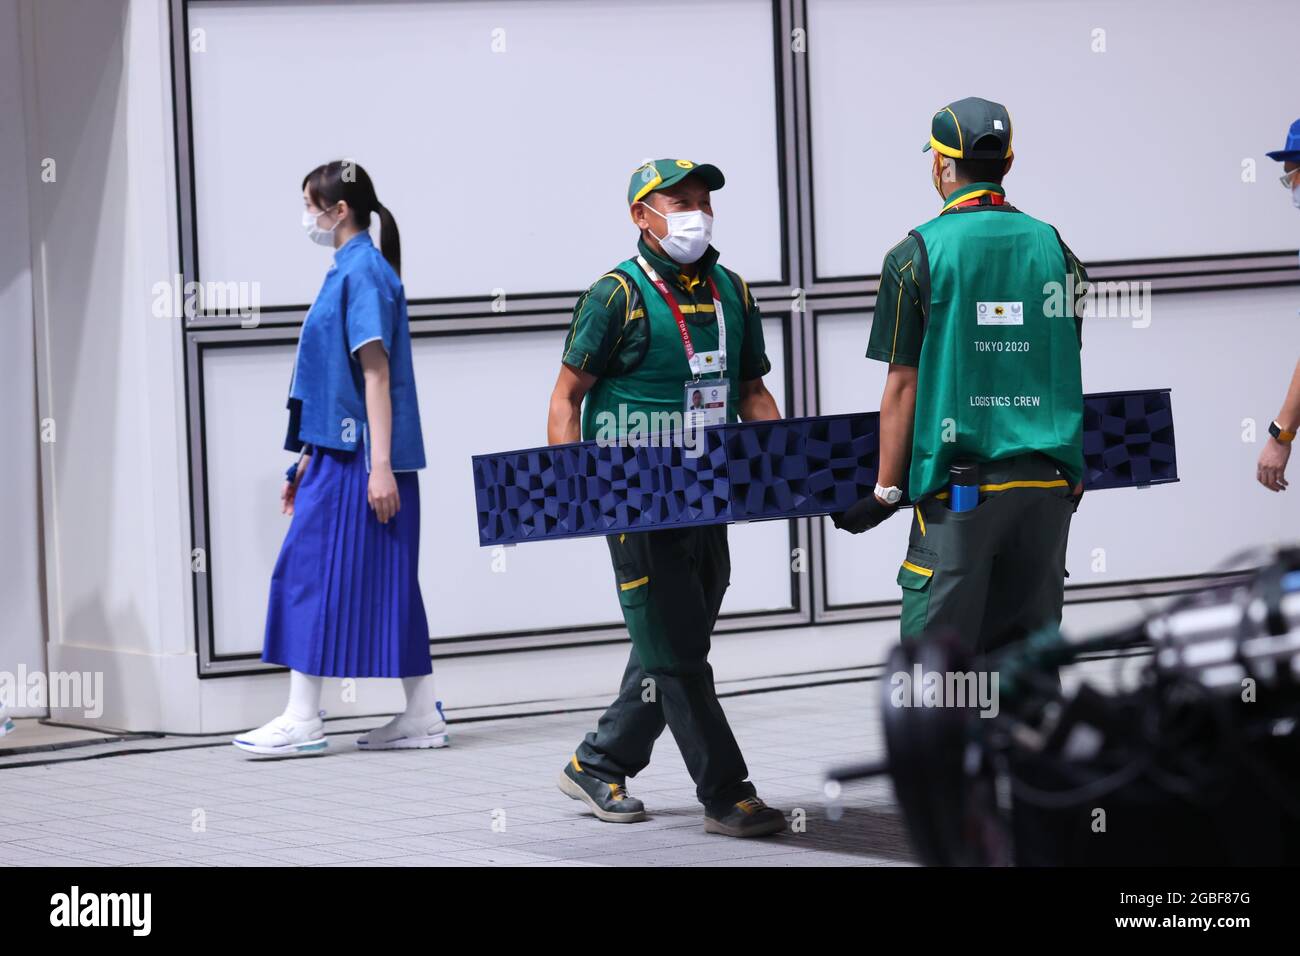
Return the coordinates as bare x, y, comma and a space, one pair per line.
692, 359
994, 199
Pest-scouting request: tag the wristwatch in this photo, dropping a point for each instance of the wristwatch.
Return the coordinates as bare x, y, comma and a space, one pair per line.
891, 495
1274, 429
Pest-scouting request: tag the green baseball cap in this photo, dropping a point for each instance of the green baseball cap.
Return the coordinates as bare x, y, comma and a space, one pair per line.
957, 127
662, 173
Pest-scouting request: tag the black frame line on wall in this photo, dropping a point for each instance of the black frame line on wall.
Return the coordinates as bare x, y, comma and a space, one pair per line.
212, 663
540, 311
1143, 269
523, 303
528, 312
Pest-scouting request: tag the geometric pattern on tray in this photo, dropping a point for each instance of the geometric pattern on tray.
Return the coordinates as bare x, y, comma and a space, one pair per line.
752, 471
1128, 439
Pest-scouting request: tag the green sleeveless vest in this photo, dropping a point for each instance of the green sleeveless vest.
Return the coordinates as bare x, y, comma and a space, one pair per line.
998, 376
655, 384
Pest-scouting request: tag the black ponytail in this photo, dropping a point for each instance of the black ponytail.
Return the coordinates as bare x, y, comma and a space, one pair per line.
390, 241
345, 181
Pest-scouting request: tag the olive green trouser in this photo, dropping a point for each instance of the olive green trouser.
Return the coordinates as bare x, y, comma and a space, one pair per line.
996, 573
670, 585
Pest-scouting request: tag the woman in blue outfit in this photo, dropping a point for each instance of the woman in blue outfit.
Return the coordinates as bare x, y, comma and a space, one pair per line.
345, 594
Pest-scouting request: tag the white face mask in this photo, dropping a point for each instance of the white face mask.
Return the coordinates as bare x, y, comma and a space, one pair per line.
322, 237
1291, 181
688, 234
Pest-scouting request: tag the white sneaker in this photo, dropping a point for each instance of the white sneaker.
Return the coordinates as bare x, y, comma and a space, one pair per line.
285, 737
7, 726
408, 733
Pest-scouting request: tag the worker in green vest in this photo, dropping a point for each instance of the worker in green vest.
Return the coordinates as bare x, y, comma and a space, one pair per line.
979, 317
666, 336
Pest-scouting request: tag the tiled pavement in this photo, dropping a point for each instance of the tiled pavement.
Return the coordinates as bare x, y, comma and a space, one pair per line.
489, 799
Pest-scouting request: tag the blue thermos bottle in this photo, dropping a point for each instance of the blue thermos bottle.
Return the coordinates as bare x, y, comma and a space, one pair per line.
963, 486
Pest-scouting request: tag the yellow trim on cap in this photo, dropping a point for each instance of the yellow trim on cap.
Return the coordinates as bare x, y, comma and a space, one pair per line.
917, 569
939, 147
634, 584
651, 185
961, 141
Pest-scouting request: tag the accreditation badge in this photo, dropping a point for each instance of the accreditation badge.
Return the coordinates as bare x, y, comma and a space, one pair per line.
706, 403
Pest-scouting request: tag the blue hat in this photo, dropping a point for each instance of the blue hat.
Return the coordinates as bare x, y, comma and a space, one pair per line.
1291, 154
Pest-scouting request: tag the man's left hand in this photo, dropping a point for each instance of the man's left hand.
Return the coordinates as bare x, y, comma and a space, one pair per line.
864, 515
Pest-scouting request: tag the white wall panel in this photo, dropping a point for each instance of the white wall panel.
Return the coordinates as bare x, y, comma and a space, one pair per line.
543, 585
760, 550
1227, 356
859, 567
1213, 350
244, 390
22, 628
1134, 152
504, 169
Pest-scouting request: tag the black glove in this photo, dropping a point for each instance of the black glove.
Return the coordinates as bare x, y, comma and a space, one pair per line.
863, 516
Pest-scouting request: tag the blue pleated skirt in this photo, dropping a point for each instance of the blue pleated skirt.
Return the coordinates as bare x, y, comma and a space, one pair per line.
345, 594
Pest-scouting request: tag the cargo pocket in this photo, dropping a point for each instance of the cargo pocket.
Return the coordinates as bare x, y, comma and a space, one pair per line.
632, 592
629, 553
914, 577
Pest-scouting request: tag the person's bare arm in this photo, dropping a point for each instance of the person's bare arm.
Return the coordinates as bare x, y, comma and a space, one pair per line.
1271, 469
381, 491
756, 403
564, 422
897, 415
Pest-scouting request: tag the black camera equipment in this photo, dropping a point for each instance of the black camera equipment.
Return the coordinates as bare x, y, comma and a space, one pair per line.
1197, 762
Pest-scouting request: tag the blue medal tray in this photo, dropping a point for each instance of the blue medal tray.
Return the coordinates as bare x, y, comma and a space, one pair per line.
758, 471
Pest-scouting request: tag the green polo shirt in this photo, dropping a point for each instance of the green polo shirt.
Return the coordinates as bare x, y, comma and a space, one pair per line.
624, 333
606, 335
898, 325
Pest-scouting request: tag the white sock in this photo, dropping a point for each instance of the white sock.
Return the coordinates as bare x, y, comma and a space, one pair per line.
421, 698
304, 696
